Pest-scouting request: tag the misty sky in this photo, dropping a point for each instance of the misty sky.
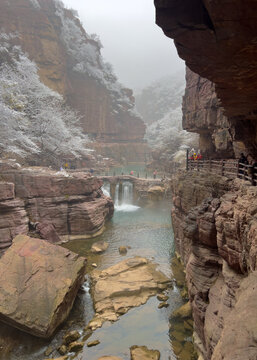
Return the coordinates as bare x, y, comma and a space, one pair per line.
136, 47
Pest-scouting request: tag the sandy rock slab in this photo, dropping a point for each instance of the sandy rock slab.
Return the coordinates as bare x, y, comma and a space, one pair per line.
123, 286
143, 353
38, 285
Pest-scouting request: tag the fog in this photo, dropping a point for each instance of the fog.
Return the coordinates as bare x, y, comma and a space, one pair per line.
136, 47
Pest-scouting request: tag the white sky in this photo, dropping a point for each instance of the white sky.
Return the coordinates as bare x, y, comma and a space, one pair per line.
136, 47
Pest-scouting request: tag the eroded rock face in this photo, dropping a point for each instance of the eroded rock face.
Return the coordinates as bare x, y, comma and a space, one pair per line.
214, 222
122, 286
13, 216
202, 113
217, 46
62, 205
28, 299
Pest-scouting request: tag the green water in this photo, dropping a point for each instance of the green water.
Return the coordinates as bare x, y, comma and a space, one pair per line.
149, 233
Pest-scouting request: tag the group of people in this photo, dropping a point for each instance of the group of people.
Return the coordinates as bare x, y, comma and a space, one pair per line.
247, 160
195, 156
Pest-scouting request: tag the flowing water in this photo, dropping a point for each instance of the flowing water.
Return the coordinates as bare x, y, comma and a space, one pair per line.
149, 233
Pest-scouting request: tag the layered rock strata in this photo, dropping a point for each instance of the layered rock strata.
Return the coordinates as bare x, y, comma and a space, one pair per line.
73, 204
39, 282
202, 114
13, 216
218, 41
215, 226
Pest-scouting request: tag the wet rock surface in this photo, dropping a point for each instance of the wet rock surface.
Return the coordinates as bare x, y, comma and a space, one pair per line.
99, 247
123, 286
39, 282
143, 353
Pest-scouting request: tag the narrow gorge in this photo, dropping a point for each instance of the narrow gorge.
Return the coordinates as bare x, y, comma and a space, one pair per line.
128, 216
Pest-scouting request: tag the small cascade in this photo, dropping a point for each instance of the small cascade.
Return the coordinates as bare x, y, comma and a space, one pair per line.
106, 189
127, 193
123, 200
116, 196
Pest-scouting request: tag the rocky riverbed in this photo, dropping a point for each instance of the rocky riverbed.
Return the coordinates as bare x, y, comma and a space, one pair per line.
124, 305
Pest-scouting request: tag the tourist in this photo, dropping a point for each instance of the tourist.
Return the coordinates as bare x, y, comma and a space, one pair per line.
154, 174
131, 172
251, 169
242, 160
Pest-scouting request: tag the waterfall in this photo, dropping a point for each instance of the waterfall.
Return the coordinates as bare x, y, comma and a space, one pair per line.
106, 189
127, 193
123, 200
116, 196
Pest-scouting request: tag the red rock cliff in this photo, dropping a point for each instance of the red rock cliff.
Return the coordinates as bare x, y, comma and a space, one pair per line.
218, 41
203, 114
214, 218
74, 205
215, 228
70, 62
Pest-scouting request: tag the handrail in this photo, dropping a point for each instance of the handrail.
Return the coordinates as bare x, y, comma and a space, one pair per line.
231, 168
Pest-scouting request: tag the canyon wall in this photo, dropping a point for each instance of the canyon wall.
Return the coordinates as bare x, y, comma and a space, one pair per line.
69, 61
215, 228
203, 114
214, 218
218, 41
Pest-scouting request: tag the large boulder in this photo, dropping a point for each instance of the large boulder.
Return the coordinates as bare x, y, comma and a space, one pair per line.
38, 285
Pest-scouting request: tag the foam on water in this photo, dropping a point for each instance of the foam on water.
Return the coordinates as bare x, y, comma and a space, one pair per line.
126, 207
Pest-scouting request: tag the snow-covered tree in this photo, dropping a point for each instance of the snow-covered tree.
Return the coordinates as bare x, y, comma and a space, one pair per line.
33, 118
